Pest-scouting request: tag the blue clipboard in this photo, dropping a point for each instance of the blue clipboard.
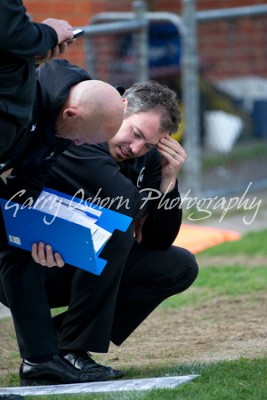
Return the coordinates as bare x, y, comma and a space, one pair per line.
26, 225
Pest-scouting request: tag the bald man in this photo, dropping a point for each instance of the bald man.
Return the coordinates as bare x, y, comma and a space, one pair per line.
69, 107
92, 112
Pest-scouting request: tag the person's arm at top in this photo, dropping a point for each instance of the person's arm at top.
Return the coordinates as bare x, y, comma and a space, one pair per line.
25, 39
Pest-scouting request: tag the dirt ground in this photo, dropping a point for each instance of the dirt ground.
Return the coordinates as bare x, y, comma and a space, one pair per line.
223, 328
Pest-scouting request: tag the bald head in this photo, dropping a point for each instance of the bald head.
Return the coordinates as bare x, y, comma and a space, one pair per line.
92, 113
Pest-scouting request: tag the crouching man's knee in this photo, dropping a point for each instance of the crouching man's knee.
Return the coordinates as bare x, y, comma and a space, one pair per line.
178, 271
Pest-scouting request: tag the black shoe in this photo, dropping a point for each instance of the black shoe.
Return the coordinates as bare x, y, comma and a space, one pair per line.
57, 372
84, 362
11, 397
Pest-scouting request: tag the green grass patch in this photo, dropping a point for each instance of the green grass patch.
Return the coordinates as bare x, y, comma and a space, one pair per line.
229, 280
216, 281
233, 280
226, 380
252, 244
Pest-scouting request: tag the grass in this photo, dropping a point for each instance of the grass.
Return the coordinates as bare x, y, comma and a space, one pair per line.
218, 281
226, 380
252, 244
228, 280
242, 379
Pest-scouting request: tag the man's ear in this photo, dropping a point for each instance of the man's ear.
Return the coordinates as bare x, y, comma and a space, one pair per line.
125, 103
69, 113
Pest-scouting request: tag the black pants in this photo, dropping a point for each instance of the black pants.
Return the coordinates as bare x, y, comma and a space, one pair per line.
100, 308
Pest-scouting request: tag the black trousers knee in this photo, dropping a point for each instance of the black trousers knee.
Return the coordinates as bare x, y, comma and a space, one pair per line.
150, 276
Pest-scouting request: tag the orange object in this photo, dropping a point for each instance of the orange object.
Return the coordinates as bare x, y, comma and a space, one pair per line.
198, 238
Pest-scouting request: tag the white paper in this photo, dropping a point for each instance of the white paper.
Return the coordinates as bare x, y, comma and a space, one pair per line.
64, 208
100, 237
61, 207
170, 382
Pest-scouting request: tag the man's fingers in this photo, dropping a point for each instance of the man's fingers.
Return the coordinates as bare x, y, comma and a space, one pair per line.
59, 260
45, 255
41, 253
62, 47
172, 152
173, 157
172, 148
50, 260
34, 253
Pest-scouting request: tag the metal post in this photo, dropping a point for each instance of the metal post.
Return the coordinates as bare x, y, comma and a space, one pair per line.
190, 91
141, 41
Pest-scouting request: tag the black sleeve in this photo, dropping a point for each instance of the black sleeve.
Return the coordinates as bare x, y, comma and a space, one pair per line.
89, 172
164, 215
21, 37
164, 220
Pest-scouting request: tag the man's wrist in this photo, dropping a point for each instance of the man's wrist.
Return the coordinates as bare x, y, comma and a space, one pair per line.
167, 186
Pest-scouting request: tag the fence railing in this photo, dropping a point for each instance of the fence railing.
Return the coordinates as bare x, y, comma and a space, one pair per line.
217, 55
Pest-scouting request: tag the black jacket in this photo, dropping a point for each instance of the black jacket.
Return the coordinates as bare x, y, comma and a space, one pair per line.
20, 42
54, 81
89, 172
33, 161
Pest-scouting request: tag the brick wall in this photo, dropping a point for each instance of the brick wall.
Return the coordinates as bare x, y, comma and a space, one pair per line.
175, 5
79, 12
225, 48
208, 4
233, 48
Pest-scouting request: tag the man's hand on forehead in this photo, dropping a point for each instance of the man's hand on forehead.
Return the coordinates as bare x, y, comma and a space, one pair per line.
170, 146
173, 157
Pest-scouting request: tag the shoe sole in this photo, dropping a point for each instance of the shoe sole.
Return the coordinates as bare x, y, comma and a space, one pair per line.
43, 382
31, 382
